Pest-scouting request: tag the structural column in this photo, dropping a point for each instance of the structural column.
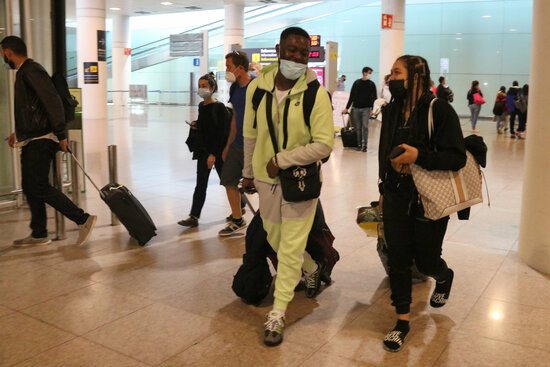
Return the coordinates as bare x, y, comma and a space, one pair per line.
122, 61
392, 40
92, 79
534, 241
234, 24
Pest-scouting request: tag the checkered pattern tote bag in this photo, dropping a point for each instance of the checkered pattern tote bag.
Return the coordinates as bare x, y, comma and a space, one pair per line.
446, 192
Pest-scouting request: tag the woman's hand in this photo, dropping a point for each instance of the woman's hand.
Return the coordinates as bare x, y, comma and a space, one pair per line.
210, 161
409, 156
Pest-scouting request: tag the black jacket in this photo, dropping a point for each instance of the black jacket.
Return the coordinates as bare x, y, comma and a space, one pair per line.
213, 127
38, 108
445, 151
363, 94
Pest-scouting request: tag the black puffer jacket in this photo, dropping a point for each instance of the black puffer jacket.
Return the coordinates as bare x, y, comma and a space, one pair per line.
38, 108
445, 151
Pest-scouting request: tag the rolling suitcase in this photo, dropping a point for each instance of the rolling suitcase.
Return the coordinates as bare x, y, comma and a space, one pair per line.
127, 208
348, 134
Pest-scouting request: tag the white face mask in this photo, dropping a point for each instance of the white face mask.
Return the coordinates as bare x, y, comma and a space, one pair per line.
204, 93
230, 77
291, 70
368, 76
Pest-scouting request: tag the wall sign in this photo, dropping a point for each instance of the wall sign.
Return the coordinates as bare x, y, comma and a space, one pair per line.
127, 51
101, 46
315, 40
91, 73
320, 72
387, 21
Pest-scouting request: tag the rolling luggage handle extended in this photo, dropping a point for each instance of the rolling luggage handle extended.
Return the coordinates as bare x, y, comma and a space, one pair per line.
89, 178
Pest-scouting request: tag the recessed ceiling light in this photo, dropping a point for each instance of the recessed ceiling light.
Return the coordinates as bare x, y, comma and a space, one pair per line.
114, 8
486, 16
459, 33
166, 3
347, 21
458, 38
455, 49
485, 83
513, 30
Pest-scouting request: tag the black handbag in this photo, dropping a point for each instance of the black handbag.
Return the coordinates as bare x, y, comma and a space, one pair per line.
298, 183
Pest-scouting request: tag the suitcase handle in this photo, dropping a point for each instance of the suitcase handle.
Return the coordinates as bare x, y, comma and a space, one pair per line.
85, 173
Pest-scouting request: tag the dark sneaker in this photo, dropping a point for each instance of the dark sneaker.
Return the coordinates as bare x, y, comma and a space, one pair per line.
512, 136
85, 230
274, 327
189, 222
442, 291
229, 218
313, 281
233, 227
31, 241
364, 149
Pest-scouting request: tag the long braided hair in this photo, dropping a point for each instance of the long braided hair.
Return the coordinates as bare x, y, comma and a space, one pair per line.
416, 65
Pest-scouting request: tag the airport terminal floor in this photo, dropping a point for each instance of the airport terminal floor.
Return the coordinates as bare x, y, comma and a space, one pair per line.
113, 303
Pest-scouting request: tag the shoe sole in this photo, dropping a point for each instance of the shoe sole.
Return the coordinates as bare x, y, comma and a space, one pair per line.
273, 344
235, 231
85, 239
391, 350
32, 244
190, 226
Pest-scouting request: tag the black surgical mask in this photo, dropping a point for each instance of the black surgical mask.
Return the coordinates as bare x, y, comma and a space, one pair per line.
9, 62
397, 89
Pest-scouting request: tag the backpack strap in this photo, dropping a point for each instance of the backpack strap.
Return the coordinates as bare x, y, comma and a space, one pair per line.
256, 100
309, 100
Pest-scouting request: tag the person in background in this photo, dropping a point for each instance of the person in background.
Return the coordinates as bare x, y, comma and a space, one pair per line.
511, 96
255, 69
341, 86
212, 75
523, 99
500, 109
212, 126
409, 235
443, 91
385, 90
40, 132
236, 72
474, 105
362, 97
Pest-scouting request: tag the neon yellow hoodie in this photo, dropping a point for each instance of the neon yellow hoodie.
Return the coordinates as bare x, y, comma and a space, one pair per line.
303, 146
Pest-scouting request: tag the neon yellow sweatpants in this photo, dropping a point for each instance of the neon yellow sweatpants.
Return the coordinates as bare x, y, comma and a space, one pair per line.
287, 226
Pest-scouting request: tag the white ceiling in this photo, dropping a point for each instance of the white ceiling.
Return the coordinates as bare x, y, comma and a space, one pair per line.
149, 7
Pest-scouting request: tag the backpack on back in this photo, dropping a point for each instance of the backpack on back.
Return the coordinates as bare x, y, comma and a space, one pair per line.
69, 102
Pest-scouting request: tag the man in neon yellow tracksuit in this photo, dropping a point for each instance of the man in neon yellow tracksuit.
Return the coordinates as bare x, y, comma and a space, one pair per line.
287, 223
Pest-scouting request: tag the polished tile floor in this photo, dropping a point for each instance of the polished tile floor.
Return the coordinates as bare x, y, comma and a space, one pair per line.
113, 303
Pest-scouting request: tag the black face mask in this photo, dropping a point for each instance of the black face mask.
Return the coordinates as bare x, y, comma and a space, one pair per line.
9, 62
397, 89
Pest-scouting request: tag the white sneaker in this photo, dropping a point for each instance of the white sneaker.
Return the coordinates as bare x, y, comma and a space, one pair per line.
85, 230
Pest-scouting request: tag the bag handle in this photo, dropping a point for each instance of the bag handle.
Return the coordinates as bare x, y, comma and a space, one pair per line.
85, 173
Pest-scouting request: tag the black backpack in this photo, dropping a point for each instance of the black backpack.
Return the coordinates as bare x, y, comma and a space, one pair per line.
68, 100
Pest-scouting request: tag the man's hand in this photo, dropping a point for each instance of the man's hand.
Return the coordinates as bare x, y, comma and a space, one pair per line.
272, 169
224, 153
210, 161
63, 145
345, 111
11, 140
247, 185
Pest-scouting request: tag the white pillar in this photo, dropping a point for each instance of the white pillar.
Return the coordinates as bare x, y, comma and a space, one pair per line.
331, 66
534, 241
233, 24
392, 40
122, 64
90, 17
204, 58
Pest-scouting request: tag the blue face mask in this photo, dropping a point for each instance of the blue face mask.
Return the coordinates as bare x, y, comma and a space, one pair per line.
291, 70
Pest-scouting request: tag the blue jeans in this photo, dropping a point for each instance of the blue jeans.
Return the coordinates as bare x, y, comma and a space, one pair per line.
474, 110
361, 118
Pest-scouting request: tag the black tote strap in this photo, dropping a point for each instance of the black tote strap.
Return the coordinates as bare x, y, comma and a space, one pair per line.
268, 112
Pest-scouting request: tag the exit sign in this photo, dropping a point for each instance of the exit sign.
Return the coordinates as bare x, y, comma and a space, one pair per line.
387, 21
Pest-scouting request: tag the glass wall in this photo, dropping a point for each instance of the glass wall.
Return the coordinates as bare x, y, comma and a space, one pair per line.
465, 40
6, 153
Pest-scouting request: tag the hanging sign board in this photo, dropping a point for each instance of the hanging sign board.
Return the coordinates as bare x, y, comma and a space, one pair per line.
315, 40
188, 44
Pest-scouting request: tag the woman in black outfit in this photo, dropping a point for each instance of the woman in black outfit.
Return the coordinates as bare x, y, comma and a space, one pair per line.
213, 129
408, 233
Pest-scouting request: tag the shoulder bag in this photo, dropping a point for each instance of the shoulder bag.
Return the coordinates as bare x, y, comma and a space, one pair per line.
298, 183
478, 99
446, 192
